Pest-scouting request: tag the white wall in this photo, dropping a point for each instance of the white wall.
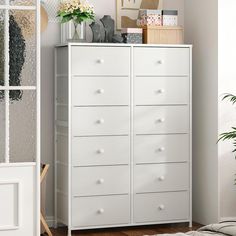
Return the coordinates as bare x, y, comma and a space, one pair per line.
201, 30
49, 38
227, 112
213, 35
203, 34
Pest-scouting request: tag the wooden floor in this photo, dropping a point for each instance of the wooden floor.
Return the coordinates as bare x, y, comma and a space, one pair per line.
130, 231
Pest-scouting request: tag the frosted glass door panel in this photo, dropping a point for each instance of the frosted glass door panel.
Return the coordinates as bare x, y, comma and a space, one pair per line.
2, 46
2, 126
22, 65
22, 2
23, 128
19, 32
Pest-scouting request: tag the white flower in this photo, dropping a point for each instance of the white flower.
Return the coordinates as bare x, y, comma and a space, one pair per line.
69, 6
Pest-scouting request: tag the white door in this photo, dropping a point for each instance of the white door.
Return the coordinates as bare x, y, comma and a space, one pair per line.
19, 118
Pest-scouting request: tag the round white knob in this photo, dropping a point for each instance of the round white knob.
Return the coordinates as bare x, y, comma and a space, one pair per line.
161, 207
100, 91
101, 181
100, 61
161, 120
100, 121
161, 178
161, 149
100, 151
101, 211
160, 62
160, 91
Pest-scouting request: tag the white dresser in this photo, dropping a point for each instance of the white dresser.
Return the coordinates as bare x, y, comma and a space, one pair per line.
122, 135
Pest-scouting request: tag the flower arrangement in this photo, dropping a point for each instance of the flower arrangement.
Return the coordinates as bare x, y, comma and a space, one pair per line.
76, 10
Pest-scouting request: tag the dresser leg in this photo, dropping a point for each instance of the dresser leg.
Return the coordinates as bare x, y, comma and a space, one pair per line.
190, 224
55, 224
69, 232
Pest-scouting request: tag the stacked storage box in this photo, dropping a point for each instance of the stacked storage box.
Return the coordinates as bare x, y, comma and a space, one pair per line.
169, 17
149, 17
163, 35
160, 27
132, 35
157, 18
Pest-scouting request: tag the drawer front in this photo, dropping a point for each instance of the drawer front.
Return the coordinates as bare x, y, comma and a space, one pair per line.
161, 61
161, 90
102, 210
103, 180
100, 91
161, 119
87, 151
161, 177
100, 121
161, 148
100, 61
156, 207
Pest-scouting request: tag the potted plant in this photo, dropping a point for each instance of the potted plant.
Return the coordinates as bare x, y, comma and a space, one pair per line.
77, 11
231, 135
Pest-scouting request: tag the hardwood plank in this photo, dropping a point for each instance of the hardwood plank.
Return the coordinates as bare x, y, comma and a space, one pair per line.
130, 231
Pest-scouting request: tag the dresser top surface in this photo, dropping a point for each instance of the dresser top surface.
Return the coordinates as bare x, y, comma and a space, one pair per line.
124, 45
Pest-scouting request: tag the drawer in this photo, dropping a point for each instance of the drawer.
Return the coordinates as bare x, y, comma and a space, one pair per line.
161, 90
87, 151
161, 61
100, 121
100, 61
161, 148
100, 211
154, 207
161, 177
103, 180
100, 91
161, 119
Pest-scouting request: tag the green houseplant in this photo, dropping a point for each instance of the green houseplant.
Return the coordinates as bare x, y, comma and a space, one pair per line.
230, 135
78, 11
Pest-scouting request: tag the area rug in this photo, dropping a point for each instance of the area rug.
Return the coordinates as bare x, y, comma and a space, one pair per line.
222, 229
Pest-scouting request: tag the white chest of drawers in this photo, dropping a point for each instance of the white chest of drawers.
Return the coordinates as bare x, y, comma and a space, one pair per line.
122, 135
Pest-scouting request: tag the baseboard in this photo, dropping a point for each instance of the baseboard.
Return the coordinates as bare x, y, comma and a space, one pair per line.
228, 219
50, 221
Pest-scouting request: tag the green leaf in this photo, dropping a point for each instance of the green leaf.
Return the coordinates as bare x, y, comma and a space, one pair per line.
77, 16
231, 135
66, 19
230, 97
